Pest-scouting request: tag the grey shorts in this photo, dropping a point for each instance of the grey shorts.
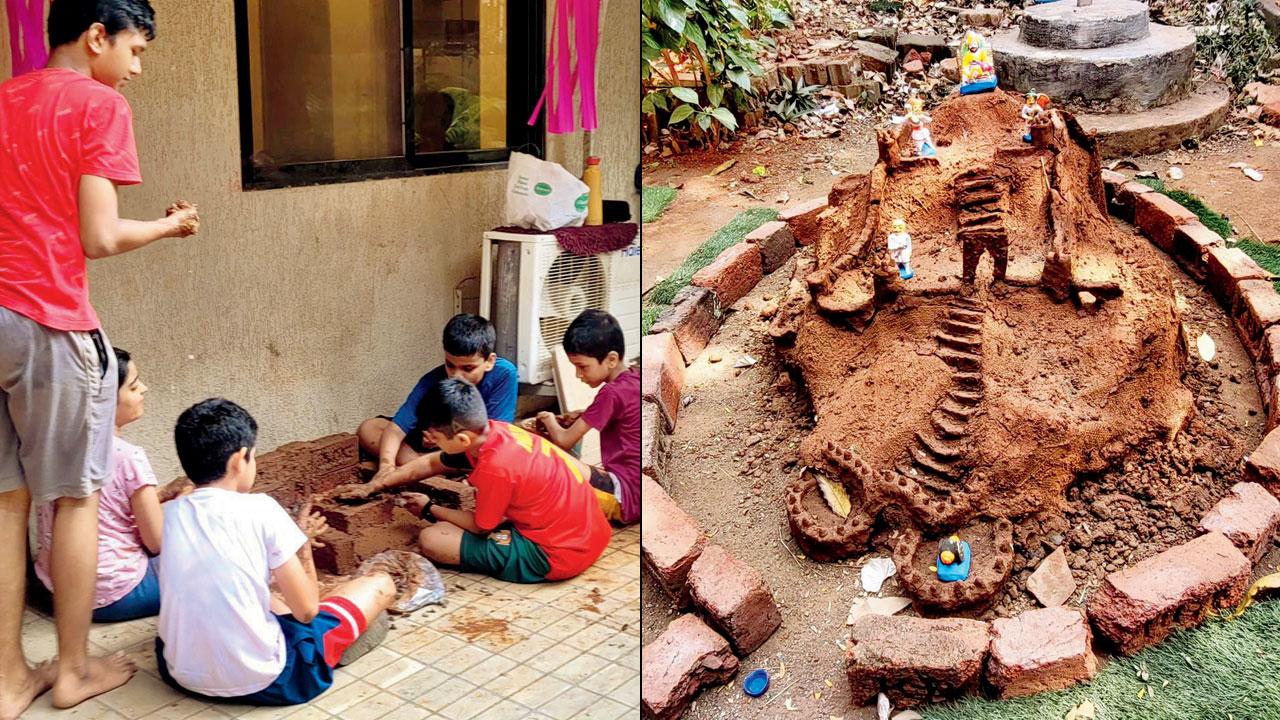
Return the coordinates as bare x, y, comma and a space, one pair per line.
57, 409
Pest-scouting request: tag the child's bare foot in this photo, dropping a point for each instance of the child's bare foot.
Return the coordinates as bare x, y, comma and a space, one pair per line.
17, 695
99, 675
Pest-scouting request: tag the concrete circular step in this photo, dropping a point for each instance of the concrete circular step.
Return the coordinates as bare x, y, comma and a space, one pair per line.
1162, 128
1270, 11
1067, 25
1145, 73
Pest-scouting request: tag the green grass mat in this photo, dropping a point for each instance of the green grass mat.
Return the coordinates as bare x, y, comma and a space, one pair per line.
1219, 671
654, 201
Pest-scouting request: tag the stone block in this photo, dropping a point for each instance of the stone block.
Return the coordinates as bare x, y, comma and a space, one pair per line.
1263, 464
842, 72
734, 597
802, 218
950, 69
693, 318
935, 45
875, 57
733, 273
670, 540
776, 242
654, 442
1122, 204
792, 71
815, 72
1157, 216
1052, 583
662, 375
1140, 605
1257, 308
982, 17
1270, 358
1040, 650
685, 658
881, 35
914, 660
1111, 182
1269, 390
1191, 242
1225, 269
1248, 515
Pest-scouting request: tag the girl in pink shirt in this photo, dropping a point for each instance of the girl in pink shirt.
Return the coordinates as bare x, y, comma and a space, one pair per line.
129, 520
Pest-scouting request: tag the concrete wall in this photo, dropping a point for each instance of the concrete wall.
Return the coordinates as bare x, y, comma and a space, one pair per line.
313, 307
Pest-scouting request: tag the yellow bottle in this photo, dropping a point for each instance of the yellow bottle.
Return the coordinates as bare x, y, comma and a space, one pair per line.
595, 201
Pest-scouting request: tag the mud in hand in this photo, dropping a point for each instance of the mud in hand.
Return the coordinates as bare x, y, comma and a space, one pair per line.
186, 215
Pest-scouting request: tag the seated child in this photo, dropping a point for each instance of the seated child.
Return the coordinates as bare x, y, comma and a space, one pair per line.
536, 516
468, 354
595, 346
221, 634
129, 519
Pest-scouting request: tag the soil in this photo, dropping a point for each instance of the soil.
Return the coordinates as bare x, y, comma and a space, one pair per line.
404, 569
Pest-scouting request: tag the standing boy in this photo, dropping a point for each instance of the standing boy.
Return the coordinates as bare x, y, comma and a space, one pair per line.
221, 633
468, 354
66, 142
596, 347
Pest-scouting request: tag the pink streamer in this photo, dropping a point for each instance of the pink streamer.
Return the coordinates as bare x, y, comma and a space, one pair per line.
26, 35
557, 95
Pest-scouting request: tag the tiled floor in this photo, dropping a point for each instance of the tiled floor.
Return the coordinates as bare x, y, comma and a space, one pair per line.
493, 651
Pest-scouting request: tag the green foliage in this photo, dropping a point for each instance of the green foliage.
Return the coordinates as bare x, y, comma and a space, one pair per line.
793, 98
884, 7
769, 14
649, 314
732, 233
1234, 38
1221, 670
654, 201
1210, 219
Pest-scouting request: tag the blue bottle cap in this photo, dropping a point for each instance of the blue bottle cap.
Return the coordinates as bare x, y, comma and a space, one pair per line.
756, 682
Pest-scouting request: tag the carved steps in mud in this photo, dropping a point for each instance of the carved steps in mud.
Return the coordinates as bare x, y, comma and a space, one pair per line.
949, 427
973, 317
968, 380
959, 359
922, 459
970, 398
956, 410
939, 449
958, 342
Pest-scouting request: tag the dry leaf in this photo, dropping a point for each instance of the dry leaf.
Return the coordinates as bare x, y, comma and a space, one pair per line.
1207, 347
1252, 174
828, 682
883, 707
1083, 711
875, 572
723, 166
875, 606
837, 499
782, 670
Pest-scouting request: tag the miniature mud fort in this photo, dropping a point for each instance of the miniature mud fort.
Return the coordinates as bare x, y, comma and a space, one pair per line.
1035, 342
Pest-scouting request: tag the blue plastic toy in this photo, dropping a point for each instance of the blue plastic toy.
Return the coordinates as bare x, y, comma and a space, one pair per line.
756, 682
954, 560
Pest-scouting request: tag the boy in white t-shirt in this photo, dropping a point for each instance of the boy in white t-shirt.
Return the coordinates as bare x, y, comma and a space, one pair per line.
221, 633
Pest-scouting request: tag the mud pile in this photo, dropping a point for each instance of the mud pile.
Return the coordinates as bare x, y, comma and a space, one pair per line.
1035, 344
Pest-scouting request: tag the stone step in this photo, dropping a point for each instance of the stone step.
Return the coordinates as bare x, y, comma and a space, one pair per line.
960, 359
926, 462
973, 381
965, 315
968, 398
938, 448
956, 410
1067, 25
958, 342
961, 328
1152, 71
1161, 128
948, 427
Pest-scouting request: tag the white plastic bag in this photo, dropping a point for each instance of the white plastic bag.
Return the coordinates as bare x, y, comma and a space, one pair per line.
543, 195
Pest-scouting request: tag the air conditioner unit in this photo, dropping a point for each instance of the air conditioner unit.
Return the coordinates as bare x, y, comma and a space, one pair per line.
531, 290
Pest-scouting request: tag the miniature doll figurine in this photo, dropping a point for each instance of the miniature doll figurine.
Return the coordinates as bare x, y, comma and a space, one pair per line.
953, 559
900, 248
1032, 110
977, 73
920, 134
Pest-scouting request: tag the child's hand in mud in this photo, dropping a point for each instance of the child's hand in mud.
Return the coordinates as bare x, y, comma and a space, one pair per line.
413, 502
548, 419
354, 491
313, 525
185, 216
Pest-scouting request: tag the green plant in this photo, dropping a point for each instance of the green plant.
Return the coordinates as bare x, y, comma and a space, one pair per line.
768, 14
1233, 38
793, 98
703, 114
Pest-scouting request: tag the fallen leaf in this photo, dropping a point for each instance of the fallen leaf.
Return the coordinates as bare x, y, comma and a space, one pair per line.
876, 606
875, 572
1142, 693
1238, 165
724, 166
835, 495
1252, 174
782, 670
760, 171
828, 682
1083, 711
883, 707
1206, 347
745, 361
1175, 173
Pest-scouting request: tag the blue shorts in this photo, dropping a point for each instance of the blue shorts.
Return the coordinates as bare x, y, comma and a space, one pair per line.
312, 652
142, 601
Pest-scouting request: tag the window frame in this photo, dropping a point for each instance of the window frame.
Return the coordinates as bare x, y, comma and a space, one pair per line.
526, 68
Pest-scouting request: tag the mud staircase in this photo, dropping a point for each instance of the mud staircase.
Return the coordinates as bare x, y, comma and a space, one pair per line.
981, 221
934, 458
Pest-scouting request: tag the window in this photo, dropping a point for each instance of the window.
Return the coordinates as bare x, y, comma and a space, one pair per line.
343, 90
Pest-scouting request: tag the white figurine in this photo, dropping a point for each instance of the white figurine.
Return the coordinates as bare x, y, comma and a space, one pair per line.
900, 248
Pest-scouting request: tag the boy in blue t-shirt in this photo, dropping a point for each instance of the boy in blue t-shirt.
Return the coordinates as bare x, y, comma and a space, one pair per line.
468, 355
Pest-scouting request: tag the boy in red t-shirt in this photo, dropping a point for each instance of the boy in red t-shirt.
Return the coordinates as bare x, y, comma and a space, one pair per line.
536, 515
66, 142
595, 345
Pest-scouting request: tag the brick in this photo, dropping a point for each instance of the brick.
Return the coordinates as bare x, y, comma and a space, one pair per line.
1248, 515
654, 442
875, 57
1225, 268
815, 72
1269, 391
1111, 182
685, 658
1122, 203
662, 375
1257, 308
914, 660
1191, 242
981, 18
735, 599
793, 71
776, 242
670, 541
802, 218
1156, 216
842, 71
1040, 650
935, 45
1052, 583
733, 273
1270, 358
1140, 605
950, 68
1263, 464
693, 318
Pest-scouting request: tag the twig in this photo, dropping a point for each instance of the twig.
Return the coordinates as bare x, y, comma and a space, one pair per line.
782, 540
780, 692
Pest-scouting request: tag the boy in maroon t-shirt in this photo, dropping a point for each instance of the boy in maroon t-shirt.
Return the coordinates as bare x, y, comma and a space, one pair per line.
66, 142
596, 347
